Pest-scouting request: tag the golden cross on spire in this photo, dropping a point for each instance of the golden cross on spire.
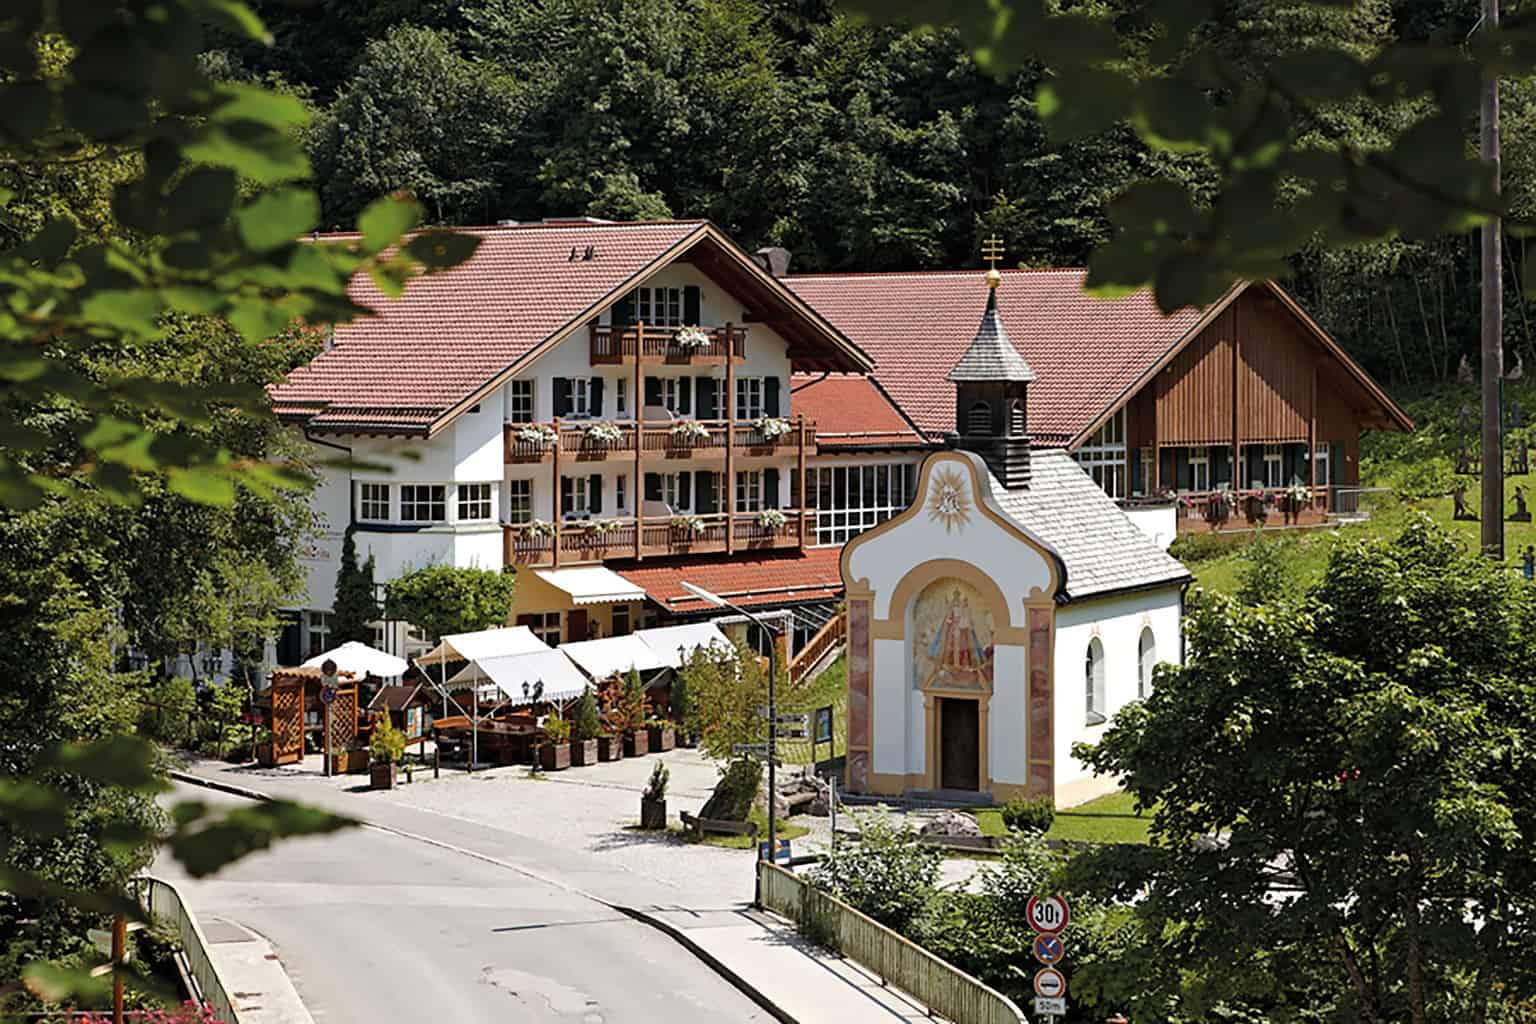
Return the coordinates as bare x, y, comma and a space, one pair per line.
992, 251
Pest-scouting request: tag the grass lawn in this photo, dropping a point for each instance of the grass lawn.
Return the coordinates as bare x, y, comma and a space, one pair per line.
783, 829
1222, 572
1107, 819
831, 687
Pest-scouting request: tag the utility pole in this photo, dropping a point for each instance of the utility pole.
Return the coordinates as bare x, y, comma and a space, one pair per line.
1492, 322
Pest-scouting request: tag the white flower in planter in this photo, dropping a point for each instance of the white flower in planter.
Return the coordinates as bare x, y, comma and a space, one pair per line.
692, 338
771, 427
1298, 493
771, 518
538, 528
604, 433
690, 430
688, 526
537, 434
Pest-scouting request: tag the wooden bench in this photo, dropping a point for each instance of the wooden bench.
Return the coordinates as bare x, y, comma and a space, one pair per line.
699, 826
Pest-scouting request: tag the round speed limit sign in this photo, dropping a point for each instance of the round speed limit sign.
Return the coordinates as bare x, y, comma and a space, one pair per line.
1047, 914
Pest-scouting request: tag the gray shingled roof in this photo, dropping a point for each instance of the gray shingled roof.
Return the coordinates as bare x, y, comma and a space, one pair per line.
991, 355
1103, 550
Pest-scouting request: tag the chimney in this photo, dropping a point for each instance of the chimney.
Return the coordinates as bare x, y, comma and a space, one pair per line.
774, 259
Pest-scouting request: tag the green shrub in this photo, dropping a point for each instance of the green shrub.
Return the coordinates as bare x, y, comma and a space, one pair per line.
387, 745
656, 788
886, 873
1429, 478
167, 710
1030, 814
557, 729
1200, 547
586, 724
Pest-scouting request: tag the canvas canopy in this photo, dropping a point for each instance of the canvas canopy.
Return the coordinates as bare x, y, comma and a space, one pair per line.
613, 655
485, 643
591, 584
361, 660
674, 644
507, 674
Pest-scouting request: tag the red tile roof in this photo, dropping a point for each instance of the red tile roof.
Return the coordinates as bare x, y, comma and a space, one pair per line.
1084, 351
772, 578
850, 411
451, 333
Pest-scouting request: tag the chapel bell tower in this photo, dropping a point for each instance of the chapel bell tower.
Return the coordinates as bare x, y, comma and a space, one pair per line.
991, 402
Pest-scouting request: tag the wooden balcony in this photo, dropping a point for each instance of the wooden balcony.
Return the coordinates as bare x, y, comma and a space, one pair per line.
600, 540
621, 345
1214, 511
602, 440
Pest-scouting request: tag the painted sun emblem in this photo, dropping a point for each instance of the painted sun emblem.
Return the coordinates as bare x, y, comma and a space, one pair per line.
947, 501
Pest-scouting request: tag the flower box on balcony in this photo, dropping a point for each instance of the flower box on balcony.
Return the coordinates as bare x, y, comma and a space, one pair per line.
689, 433
603, 435
692, 339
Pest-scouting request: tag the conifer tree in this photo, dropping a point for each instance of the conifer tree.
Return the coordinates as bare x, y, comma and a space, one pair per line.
355, 606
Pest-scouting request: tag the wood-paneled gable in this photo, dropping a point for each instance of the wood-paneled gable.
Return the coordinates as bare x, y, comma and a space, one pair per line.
1275, 374
1194, 391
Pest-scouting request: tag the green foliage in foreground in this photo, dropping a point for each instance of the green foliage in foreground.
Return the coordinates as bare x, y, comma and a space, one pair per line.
443, 600
1367, 743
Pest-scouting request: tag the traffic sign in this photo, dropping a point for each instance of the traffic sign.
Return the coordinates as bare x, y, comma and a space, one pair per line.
784, 855
792, 733
327, 694
801, 720
1049, 914
1047, 1006
1048, 949
751, 749
1050, 982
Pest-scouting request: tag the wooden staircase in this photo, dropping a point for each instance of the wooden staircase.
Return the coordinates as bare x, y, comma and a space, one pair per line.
820, 650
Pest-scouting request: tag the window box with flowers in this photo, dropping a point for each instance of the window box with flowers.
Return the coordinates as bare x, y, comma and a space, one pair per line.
689, 432
535, 529
1295, 500
536, 435
771, 427
603, 435
692, 339
687, 528
771, 519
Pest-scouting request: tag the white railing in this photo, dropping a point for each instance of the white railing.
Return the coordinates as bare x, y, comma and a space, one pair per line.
165, 904
944, 988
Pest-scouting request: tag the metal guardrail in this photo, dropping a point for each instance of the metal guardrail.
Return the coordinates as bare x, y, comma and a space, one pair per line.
945, 989
164, 903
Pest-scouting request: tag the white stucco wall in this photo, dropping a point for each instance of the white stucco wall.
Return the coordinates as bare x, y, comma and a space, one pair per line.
1159, 522
891, 722
1008, 721
1117, 622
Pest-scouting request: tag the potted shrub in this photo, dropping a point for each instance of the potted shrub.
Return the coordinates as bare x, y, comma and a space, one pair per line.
264, 754
585, 726
627, 714
385, 749
660, 734
653, 802
610, 747
555, 751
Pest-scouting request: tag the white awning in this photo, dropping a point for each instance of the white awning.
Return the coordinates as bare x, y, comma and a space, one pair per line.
361, 660
591, 584
508, 673
486, 643
674, 644
613, 655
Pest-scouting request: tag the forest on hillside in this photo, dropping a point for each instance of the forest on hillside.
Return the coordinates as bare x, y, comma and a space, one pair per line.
856, 147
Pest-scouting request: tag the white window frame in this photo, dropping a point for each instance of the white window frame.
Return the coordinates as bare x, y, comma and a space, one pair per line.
546, 626
472, 495
851, 499
621, 492
513, 498
522, 400
621, 398
749, 398
1322, 459
658, 305
613, 621
1146, 658
749, 490
368, 506
581, 398
1093, 676
1274, 457
1199, 469
318, 626
1103, 456
670, 489
581, 499
414, 503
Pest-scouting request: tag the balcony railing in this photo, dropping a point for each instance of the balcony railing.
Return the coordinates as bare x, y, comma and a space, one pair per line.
600, 440
1200, 511
619, 345
597, 541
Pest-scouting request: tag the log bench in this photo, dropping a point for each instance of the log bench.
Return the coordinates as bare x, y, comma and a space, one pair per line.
714, 826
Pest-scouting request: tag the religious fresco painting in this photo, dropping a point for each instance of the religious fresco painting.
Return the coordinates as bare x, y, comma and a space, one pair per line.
952, 646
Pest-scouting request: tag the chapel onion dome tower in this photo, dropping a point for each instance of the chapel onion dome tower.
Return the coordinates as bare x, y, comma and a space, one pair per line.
991, 402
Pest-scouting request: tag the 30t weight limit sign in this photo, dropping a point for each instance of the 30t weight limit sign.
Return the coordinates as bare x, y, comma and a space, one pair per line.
1047, 914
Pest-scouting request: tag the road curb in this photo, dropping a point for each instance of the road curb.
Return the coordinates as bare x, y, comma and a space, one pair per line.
713, 962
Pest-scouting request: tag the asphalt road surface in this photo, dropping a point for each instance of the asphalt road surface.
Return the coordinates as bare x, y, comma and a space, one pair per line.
376, 928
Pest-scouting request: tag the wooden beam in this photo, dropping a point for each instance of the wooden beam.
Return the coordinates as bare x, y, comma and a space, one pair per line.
638, 488
729, 483
1239, 464
555, 546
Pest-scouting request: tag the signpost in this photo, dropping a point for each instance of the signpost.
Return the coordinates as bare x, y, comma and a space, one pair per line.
1046, 1006
758, 750
1050, 983
327, 694
783, 856
1048, 915
1048, 949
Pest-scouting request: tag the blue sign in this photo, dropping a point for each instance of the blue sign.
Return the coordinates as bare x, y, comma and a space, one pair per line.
1048, 950
782, 858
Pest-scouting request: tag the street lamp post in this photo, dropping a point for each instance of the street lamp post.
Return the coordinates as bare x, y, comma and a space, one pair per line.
773, 728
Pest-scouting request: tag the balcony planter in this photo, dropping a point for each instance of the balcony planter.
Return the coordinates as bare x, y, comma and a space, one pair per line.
637, 743
653, 813
381, 775
555, 757
661, 737
349, 762
584, 753
610, 748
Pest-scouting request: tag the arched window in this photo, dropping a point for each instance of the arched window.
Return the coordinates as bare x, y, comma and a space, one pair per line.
1016, 417
978, 420
1093, 678
1146, 657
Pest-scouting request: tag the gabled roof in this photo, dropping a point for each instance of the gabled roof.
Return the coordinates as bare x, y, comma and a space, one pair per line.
453, 337
1088, 354
770, 578
851, 411
1103, 551
991, 355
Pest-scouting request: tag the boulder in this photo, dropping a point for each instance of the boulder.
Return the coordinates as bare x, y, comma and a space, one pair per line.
951, 823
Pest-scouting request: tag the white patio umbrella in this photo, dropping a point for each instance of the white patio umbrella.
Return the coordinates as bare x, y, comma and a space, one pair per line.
361, 660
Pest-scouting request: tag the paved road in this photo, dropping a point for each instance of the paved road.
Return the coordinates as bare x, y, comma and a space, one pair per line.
375, 927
